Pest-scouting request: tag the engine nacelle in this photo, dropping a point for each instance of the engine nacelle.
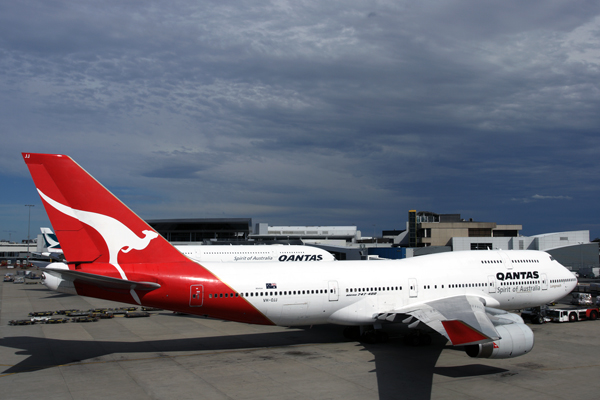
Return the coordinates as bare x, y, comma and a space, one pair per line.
510, 318
55, 282
516, 340
503, 317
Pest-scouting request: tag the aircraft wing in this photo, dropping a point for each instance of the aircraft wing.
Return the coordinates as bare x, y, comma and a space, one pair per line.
104, 282
461, 319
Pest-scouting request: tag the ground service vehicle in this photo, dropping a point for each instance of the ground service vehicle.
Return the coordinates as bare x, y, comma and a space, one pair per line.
581, 299
572, 314
535, 315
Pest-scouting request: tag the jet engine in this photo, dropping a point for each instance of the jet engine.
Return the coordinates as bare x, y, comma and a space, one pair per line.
515, 340
55, 281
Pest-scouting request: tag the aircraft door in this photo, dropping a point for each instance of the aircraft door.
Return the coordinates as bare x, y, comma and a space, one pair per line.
544, 282
413, 289
196, 295
333, 291
491, 284
506, 260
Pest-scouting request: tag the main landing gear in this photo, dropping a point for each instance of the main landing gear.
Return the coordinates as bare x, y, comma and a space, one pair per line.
417, 338
372, 335
366, 334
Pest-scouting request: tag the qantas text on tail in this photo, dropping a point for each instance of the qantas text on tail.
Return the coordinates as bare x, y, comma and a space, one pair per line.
113, 254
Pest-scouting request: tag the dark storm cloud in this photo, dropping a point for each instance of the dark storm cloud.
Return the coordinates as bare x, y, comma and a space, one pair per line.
311, 112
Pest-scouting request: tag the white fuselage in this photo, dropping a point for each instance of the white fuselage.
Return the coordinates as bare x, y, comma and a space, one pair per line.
353, 292
254, 253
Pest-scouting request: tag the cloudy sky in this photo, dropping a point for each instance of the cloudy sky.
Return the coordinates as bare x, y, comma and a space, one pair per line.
309, 112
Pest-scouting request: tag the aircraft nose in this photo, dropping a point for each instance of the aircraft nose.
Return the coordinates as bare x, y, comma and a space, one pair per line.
574, 284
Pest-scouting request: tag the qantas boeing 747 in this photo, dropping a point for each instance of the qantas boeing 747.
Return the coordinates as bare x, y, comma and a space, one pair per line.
113, 254
255, 253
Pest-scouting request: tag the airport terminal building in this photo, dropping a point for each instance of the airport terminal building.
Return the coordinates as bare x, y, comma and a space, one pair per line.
203, 229
426, 232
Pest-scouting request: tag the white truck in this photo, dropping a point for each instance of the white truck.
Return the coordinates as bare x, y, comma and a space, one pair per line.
572, 314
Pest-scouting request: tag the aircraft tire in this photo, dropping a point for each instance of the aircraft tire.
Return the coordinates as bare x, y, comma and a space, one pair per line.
382, 337
424, 340
352, 332
417, 340
411, 340
369, 337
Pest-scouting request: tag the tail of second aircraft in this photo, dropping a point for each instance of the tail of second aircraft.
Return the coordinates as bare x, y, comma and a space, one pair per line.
92, 225
50, 241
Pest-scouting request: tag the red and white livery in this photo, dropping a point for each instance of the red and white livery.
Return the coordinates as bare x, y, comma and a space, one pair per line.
113, 254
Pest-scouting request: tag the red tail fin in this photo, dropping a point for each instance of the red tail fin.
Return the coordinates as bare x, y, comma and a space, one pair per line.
91, 224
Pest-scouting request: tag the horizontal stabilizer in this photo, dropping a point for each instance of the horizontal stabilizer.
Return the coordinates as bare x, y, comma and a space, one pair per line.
103, 282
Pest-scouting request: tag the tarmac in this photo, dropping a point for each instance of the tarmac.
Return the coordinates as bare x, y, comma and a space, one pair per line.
168, 356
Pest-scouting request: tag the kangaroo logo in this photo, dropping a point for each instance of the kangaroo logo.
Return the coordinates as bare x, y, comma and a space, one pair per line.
116, 235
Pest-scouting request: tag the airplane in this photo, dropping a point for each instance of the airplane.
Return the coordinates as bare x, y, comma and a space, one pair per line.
50, 241
255, 253
223, 253
53, 251
113, 254
215, 253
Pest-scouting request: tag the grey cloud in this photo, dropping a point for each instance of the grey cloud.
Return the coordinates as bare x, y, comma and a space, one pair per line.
537, 197
292, 108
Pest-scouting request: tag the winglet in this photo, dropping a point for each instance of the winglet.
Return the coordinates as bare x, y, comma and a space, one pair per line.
461, 333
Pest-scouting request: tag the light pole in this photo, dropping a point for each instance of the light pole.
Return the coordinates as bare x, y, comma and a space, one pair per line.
10, 235
28, 225
374, 238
